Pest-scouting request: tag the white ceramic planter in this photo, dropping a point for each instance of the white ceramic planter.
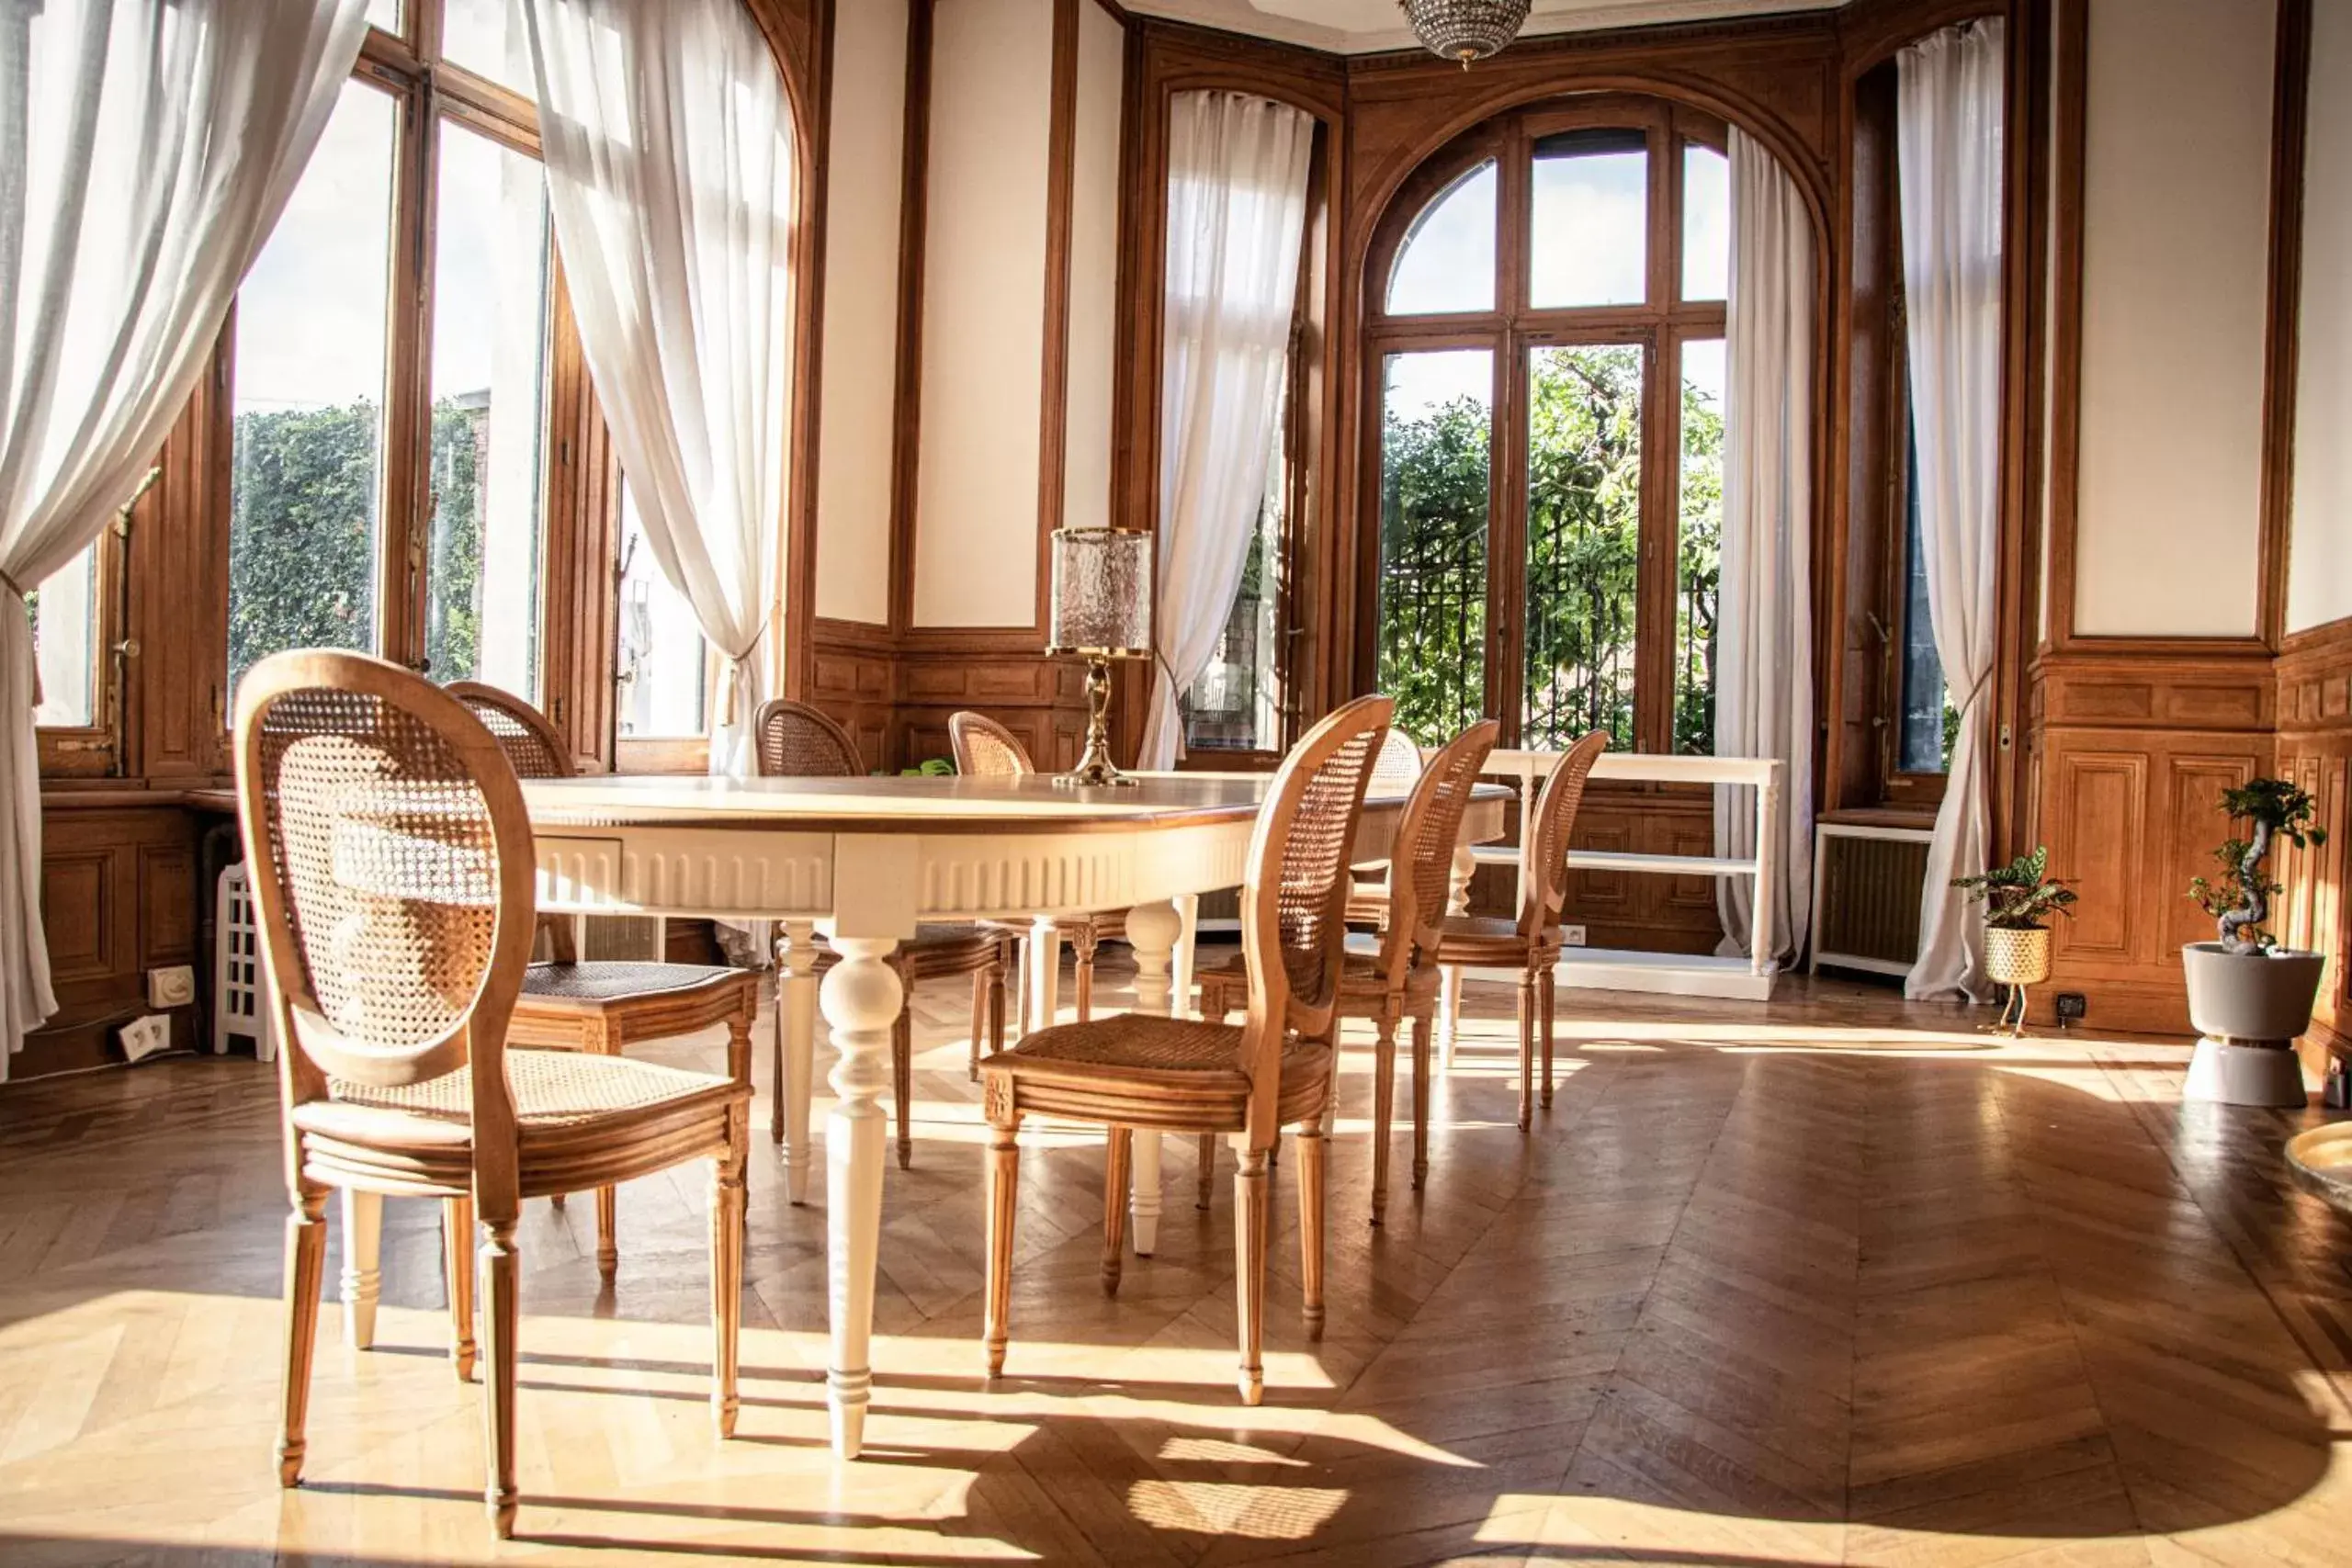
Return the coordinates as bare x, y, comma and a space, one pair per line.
2249, 1007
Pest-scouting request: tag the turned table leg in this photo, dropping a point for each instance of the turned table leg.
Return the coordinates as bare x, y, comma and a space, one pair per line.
796, 1030
363, 1241
861, 996
1154, 930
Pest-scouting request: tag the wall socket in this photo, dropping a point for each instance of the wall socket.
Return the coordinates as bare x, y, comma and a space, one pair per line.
1572, 936
2071, 1007
174, 986
142, 1037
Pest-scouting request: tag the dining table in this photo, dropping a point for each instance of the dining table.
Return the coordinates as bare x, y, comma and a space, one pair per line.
862, 863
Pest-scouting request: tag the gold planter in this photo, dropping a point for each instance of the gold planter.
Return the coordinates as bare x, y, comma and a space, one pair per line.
2016, 957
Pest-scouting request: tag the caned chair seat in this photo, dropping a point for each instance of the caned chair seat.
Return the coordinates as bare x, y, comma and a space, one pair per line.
581, 1121
1362, 978
1181, 1075
594, 983
1479, 940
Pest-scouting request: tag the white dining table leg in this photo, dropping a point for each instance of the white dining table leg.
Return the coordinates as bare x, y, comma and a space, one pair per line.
861, 996
795, 1023
1154, 930
1041, 988
1449, 998
363, 1274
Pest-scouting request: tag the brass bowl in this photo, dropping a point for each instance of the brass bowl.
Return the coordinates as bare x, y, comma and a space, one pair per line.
2322, 1161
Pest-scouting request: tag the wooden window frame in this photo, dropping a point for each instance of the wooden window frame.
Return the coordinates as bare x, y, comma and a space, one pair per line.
97, 749
1661, 324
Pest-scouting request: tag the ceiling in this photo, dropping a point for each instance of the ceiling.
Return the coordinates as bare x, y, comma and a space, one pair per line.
1360, 27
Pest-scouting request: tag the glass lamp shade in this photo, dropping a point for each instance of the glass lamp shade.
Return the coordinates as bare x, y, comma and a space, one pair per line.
1102, 593
1465, 29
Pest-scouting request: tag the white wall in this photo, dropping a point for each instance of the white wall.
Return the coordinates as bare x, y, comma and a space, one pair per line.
2319, 573
1094, 268
855, 440
2176, 241
984, 283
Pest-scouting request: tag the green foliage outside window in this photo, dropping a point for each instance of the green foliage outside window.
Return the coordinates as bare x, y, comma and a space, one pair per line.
1584, 546
302, 544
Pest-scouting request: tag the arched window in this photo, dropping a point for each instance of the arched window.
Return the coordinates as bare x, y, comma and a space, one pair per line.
1546, 361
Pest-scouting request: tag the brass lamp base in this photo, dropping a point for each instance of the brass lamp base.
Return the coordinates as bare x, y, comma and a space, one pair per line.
1095, 768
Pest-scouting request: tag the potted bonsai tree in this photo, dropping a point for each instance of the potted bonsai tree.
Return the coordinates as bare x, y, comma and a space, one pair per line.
2018, 898
2248, 996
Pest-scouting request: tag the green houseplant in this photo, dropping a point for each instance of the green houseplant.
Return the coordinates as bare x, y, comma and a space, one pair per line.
2248, 996
2018, 899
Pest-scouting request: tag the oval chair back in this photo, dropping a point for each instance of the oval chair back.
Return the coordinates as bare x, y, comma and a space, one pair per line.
1398, 766
985, 748
1295, 903
533, 747
1543, 845
393, 876
792, 740
1422, 871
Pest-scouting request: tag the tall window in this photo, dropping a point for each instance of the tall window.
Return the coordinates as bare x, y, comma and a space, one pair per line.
1548, 367
390, 367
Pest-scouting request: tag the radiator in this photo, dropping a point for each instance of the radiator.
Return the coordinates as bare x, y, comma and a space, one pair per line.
637, 938
1866, 886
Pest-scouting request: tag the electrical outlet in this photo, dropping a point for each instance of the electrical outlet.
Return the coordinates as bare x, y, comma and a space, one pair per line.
174, 986
2071, 1007
142, 1037
1572, 936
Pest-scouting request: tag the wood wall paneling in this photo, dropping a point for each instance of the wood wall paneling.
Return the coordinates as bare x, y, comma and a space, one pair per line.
118, 898
2315, 748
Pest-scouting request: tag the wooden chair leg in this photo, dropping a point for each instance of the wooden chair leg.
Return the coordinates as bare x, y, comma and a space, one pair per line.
1311, 1145
306, 1261
1004, 961
1384, 1111
979, 1021
499, 1318
1526, 1049
1118, 1162
1004, 1194
1083, 960
1207, 1172
1422, 1026
458, 1270
1250, 1180
902, 1073
1547, 1003
727, 1205
608, 1230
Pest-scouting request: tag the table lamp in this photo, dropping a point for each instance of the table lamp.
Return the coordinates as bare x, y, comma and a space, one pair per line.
1102, 611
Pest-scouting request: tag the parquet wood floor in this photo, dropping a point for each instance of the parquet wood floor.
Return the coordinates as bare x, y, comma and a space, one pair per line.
1836, 1282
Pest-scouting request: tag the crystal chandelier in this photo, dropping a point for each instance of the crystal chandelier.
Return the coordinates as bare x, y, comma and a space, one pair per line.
1465, 29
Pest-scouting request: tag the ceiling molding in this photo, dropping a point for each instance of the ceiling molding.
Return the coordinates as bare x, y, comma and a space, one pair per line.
1374, 26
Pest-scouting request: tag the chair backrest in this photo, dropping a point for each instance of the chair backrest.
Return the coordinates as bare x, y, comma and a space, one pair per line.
1398, 767
392, 870
1543, 843
533, 747
1421, 870
1295, 903
986, 747
792, 740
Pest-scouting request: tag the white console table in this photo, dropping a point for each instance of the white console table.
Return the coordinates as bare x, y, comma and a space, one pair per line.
1677, 973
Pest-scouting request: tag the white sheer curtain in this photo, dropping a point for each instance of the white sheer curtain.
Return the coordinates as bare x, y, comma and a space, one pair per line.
1764, 649
1237, 210
146, 150
1947, 135
669, 147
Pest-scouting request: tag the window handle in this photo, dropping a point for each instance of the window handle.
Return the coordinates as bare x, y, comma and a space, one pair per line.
1885, 637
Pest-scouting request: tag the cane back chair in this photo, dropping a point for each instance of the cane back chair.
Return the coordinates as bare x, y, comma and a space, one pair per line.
1531, 944
393, 876
1398, 981
601, 1005
985, 748
794, 740
1137, 1072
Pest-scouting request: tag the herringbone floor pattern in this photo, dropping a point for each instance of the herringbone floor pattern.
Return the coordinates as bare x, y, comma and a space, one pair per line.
1836, 1282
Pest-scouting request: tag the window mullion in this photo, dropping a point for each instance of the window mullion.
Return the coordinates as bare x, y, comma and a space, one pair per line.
1507, 540
407, 426
1654, 615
